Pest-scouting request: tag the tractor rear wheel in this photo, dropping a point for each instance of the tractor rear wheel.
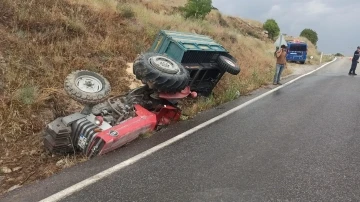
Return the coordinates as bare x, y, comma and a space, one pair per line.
160, 72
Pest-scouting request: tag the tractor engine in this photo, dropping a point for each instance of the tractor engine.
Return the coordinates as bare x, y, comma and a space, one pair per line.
113, 111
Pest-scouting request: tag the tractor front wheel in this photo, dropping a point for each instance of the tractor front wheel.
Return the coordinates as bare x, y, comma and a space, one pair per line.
87, 87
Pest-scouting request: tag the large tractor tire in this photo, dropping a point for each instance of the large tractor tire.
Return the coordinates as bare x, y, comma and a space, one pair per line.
87, 87
228, 65
160, 72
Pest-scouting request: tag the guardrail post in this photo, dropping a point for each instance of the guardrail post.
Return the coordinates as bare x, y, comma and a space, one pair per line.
321, 57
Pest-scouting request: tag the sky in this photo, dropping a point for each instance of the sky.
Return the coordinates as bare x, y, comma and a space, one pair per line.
336, 22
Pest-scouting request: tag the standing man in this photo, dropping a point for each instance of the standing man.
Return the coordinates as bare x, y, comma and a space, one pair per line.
354, 61
280, 64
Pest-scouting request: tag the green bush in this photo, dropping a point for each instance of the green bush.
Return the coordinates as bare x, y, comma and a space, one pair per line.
126, 11
27, 95
272, 28
339, 54
197, 8
310, 34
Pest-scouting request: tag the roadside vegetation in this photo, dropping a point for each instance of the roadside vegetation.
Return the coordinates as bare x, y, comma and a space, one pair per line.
339, 55
272, 28
42, 41
310, 34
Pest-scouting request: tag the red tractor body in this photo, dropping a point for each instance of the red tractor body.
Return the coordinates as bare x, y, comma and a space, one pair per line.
144, 122
93, 134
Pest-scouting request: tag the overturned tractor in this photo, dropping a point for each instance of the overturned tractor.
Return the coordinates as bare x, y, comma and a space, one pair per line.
178, 65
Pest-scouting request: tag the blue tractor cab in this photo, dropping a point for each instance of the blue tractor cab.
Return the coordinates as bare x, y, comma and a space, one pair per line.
296, 51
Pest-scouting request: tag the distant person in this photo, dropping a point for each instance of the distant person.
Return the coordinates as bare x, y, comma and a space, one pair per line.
354, 62
280, 64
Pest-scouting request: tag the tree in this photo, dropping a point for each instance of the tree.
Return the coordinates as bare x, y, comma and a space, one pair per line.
310, 34
197, 8
272, 28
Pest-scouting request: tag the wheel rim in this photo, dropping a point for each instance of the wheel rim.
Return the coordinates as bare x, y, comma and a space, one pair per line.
164, 63
88, 84
229, 62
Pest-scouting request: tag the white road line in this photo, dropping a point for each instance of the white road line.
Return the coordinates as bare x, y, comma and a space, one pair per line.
91, 180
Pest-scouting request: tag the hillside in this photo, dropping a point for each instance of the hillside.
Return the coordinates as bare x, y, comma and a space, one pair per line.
42, 41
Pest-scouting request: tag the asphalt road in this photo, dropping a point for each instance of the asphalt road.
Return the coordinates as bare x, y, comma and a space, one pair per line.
300, 143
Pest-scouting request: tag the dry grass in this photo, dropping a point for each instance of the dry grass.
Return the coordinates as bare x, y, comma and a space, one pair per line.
253, 22
42, 41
